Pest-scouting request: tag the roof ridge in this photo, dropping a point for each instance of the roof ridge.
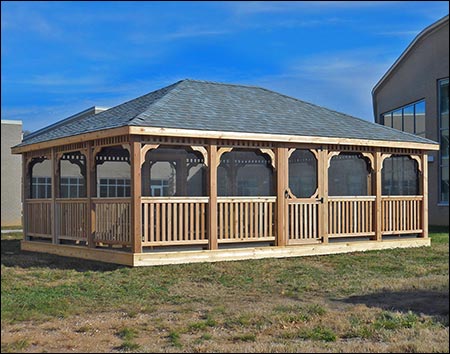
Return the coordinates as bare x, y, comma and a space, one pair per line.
278, 93
222, 83
167, 88
157, 104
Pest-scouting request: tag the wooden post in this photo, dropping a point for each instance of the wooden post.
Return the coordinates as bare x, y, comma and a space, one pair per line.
55, 184
322, 181
25, 196
181, 176
282, 186
212, 187
424, 182
90, 191
377, 216
136, 193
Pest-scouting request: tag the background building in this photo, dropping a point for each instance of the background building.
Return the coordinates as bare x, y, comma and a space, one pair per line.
11, 174
413, 96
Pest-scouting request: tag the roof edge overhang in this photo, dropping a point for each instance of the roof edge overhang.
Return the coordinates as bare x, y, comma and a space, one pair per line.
209, 134
280, 138
105, 133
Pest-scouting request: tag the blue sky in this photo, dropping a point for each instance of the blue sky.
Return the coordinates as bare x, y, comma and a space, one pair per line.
59, 58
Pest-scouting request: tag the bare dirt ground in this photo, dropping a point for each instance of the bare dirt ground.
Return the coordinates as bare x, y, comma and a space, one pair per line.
164, 330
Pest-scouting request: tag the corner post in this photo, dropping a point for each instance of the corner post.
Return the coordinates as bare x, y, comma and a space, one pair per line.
323, 193
282, 186
55, 183
424, 188
24, 196
136, 195
212, 187
377, 219
90, 190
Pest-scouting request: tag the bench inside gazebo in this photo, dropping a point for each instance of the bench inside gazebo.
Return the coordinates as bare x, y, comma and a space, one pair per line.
201, 171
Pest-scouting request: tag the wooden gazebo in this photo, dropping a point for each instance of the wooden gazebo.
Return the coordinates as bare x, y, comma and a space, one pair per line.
201, 171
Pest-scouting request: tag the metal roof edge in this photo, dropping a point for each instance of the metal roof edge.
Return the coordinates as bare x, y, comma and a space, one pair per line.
71, 118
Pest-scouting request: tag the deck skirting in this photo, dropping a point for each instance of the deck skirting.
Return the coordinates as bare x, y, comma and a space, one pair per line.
235, 254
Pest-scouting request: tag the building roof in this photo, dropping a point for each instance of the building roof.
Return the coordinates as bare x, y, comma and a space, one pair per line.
431, 28
13, 122
210, 106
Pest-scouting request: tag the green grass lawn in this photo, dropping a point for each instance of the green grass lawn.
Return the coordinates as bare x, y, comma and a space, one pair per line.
378, 301
16, 227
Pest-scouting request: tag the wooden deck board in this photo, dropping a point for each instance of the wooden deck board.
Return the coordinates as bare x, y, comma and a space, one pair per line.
218, 255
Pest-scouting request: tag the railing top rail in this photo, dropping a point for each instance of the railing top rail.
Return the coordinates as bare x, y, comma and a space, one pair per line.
352, 198
38, 200
303, 201
111, 200
72, 200
175, 199
402, 197
245, 199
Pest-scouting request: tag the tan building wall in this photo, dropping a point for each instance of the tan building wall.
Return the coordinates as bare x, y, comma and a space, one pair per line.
11, 174
415, 77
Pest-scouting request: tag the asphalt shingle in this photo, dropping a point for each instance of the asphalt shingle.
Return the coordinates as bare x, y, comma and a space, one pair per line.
201, 105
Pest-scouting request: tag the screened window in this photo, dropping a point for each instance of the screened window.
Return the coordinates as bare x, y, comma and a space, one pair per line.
400, 176
41, 181
444, 140
113, 172
245, 173
72, 184
173, 171
348, 175
410, 118
302, 173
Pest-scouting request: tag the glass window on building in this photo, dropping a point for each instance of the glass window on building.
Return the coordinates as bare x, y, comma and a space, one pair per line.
397, 119
410, 118
444, 141
387, 119
72, 187
420, 118
41, 187
114, 187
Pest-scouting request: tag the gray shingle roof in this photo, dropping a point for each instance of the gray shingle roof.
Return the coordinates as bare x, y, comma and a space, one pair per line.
201, 105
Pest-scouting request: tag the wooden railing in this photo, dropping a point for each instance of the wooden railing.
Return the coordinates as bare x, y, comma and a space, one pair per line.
351, 216
39, 217
72, 215
302, 220
245, 219
112, 220
174, 221
401, 214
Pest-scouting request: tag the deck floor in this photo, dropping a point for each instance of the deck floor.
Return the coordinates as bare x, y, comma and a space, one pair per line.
229, 254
